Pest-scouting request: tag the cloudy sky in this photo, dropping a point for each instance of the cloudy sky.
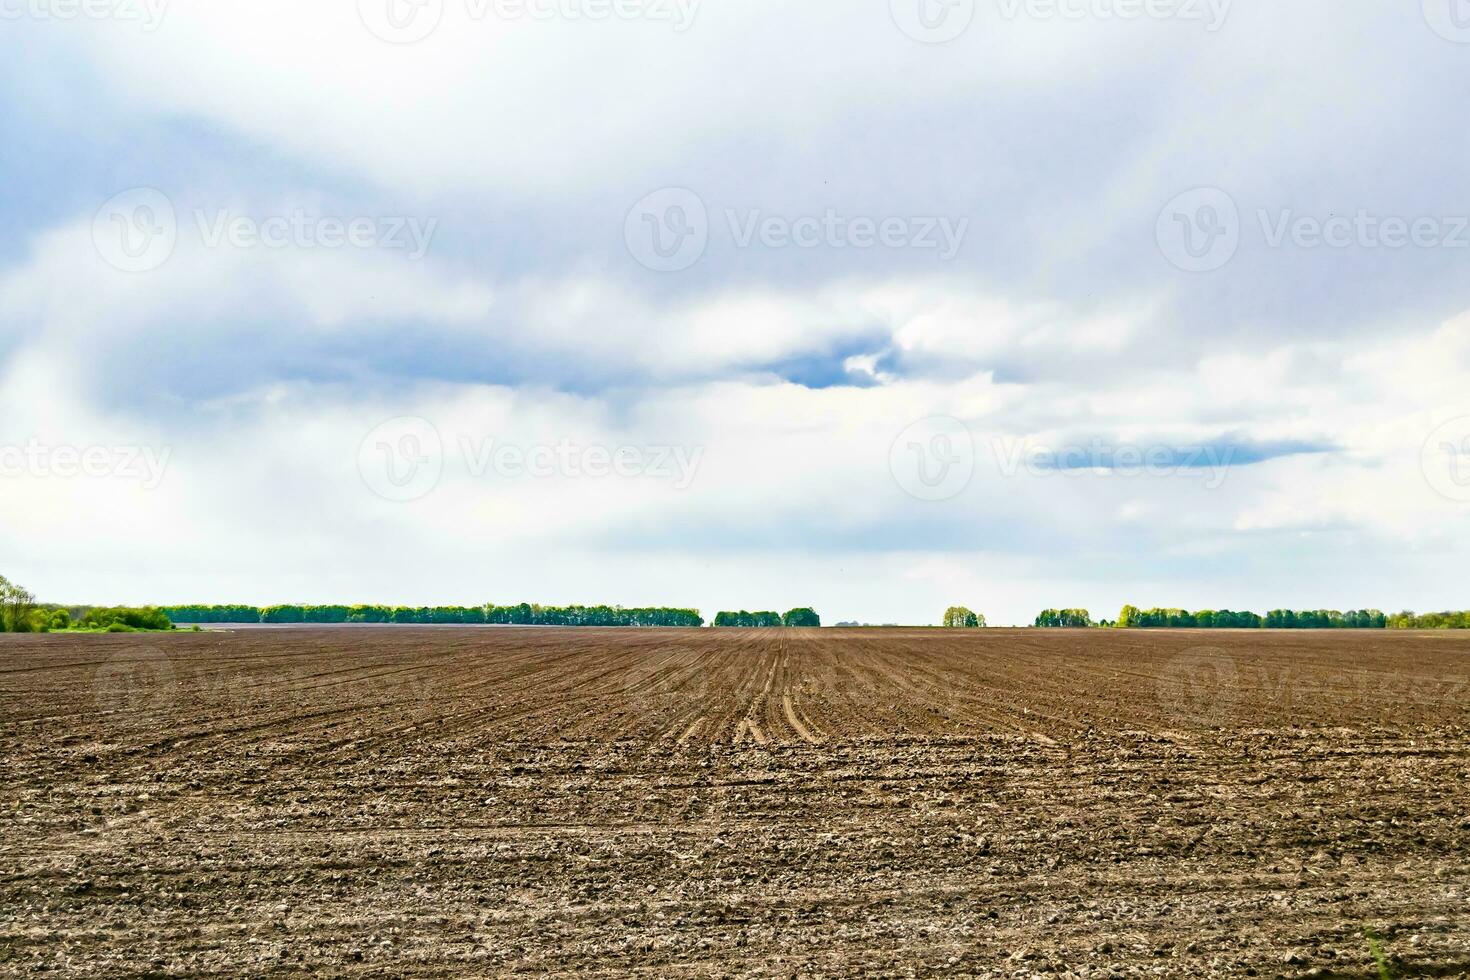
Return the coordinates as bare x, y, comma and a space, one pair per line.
874, 306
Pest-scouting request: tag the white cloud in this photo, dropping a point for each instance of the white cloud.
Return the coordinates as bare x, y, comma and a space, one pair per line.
525, 321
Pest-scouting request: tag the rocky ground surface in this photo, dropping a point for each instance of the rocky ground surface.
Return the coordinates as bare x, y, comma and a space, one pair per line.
784, 804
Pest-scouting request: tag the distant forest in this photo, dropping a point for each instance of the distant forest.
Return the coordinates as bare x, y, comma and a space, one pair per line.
524, 614
1131, 617
21, 613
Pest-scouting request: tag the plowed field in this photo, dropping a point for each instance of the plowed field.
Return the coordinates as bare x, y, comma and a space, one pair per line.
408, 801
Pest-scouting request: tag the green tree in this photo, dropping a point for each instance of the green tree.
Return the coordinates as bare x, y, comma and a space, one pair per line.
128, 617
1064, 619
283, 614
749, 620
16, 606
958, 617
804, 617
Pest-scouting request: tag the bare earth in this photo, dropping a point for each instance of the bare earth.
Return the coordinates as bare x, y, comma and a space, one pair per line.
765, 803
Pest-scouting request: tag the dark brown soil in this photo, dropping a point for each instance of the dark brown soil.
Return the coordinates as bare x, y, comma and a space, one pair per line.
767, 803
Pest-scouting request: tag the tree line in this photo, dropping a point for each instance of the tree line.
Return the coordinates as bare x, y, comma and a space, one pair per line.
18, 611
122, 619
21, 613
522, 614
1430, 621
1131, 617
795, 618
